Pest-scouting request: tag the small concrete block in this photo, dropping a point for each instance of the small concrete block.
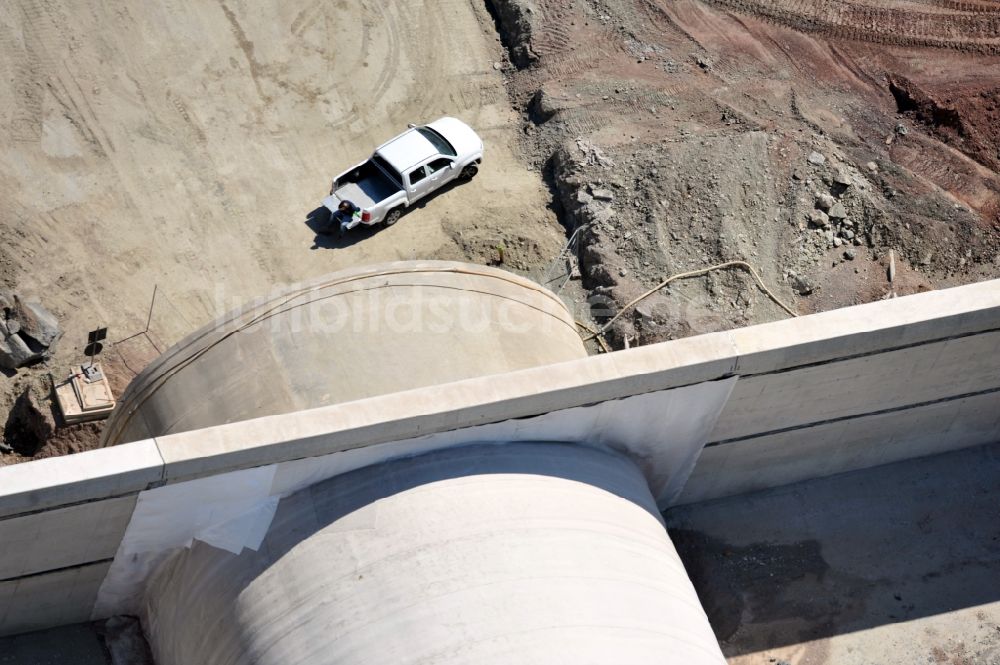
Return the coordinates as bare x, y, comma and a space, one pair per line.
81, 400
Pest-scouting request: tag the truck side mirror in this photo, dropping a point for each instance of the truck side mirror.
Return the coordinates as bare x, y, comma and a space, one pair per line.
411, 125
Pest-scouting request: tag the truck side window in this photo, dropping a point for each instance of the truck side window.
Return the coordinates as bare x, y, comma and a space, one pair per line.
416, 175
438, 164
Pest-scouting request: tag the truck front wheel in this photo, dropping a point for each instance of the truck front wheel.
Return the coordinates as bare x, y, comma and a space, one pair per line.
393, 216
469, 172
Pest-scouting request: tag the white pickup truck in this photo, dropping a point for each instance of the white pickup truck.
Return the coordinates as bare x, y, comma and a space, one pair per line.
409, 167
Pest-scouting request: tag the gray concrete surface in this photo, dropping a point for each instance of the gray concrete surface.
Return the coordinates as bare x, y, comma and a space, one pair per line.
76, 644
358, 333
90, 476
875, 348
894, 565
55, 598
91, 532
527, 553
852, 442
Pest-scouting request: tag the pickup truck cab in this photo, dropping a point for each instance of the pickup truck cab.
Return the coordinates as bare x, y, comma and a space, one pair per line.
407, 168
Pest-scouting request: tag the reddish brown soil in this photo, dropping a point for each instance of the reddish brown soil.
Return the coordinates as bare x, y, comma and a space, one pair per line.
706, 113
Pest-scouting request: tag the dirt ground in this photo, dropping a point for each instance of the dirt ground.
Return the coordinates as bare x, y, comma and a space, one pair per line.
183, 146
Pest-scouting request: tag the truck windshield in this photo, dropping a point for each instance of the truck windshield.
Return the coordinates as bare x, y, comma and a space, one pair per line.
389, 171
439, 142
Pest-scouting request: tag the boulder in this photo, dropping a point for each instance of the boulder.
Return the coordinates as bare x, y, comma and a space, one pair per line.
28, 331
802, 285
14, 351
816, 158
825, 201
838, 211
602, 194
842, 178
819, 219
36, 321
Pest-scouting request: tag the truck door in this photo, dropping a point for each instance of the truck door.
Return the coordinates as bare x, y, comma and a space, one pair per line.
440, 171
419, 183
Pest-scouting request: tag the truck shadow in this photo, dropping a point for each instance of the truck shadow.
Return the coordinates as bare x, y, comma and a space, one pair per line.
319, 222
419, 205
327, 234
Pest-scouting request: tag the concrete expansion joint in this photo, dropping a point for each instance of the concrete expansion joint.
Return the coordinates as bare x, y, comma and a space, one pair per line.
49, 571
869, 354
163, 466
857, 416
68, 504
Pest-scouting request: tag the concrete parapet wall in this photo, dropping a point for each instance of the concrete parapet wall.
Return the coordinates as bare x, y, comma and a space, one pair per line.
57, 598
778, 403
905, 387
61, 522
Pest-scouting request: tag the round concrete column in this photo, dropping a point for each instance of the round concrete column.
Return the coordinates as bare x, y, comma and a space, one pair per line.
350, 335
517, 553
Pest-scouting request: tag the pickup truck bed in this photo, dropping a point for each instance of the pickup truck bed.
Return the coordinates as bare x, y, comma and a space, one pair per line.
366, 193
366, 186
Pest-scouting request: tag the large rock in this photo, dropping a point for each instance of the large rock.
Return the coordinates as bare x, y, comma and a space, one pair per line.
819, 219
802, 285
825, 201
838, 211
14, 351
28, 331
843, 178
36, 321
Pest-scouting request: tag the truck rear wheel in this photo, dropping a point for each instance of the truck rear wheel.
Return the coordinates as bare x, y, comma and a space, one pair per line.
392, 216
469, 172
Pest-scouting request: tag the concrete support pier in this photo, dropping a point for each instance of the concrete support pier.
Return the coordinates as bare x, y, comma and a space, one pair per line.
517, 553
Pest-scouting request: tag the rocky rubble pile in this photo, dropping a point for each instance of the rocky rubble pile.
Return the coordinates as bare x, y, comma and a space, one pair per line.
830, 217
28, 331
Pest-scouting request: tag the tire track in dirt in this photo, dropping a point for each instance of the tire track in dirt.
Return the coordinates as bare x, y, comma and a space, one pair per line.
969, 32
30, 71
962, 5
552, 34
391, 36
434, 30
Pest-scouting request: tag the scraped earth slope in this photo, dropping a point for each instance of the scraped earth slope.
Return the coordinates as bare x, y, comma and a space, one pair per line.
698, 120
184, 145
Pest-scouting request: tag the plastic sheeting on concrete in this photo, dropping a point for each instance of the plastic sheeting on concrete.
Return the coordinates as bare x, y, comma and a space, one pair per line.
522, 553
662, 432
230, 511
